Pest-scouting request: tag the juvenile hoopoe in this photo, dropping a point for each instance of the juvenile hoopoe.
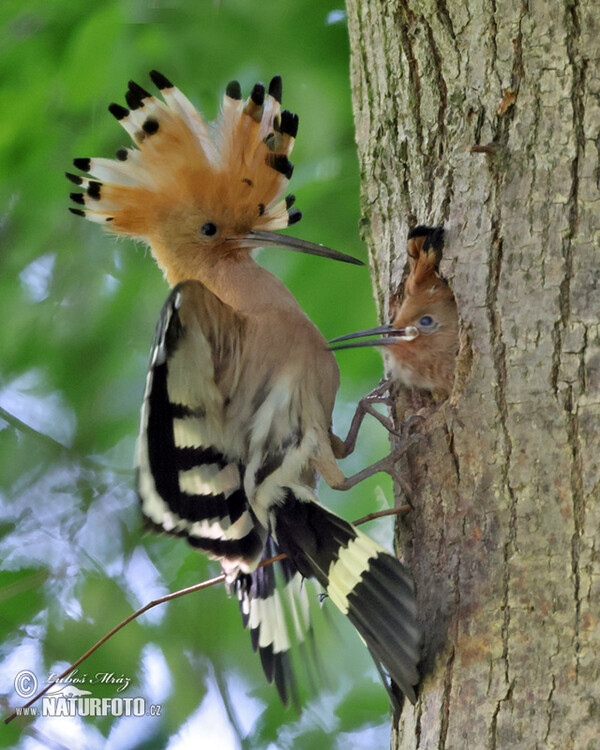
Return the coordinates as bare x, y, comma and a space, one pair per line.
422, 339
236, 418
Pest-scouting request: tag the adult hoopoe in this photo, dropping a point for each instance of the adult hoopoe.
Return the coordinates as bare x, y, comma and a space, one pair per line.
422, 339
236, 418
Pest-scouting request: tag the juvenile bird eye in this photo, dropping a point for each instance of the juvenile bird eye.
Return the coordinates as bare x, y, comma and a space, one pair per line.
209, 229
426, 321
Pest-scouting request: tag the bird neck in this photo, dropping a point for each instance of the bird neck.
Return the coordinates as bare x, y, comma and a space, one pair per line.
240, 282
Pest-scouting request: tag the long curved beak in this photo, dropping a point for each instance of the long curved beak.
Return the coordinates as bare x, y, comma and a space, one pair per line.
393, 335
284, 241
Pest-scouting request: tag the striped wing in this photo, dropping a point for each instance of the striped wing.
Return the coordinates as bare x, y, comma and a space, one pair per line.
191, 472
190, 483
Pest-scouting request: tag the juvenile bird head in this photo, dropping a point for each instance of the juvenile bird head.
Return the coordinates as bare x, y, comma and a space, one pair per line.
198, 193
422, 339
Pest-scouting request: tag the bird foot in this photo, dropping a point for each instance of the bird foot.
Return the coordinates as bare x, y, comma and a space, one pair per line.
387, 464
379, 395
411, 423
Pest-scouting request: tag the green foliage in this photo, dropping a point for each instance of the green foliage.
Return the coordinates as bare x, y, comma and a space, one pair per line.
78, 311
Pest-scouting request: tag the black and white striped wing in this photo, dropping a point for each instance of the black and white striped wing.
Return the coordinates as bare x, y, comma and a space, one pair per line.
189, 481
191, 476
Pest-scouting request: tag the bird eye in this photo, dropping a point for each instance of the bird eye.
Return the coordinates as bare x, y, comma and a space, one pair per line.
209, 229
426, 321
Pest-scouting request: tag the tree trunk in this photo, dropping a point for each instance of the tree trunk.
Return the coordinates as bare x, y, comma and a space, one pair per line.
503, 539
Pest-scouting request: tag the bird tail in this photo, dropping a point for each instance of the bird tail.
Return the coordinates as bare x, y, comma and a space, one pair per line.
369, 585
274, 606
180, 162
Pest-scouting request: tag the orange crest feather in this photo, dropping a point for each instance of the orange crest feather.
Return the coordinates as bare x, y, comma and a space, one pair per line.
424, 258
183, 170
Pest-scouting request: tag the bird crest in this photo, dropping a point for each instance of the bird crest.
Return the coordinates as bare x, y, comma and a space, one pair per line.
424, 255
192, 190
240, 162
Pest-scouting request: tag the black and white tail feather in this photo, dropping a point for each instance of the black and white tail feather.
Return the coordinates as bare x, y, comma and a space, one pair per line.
274, 606
366, 583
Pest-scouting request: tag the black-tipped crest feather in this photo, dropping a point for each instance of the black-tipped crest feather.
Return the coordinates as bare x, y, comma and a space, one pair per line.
160, 81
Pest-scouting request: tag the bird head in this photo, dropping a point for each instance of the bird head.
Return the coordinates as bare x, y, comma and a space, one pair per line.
428, 304
198, 193
422, 339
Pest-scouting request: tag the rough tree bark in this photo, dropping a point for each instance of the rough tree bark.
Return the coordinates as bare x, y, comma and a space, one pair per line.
503, 539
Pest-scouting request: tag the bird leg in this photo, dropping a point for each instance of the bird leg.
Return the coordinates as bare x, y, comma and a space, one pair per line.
379, 395
343, 448
387, 464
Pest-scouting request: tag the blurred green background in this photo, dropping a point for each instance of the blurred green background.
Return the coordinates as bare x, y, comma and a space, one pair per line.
79, 309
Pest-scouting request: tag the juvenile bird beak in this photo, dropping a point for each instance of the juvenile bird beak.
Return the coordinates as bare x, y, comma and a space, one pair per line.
393, 334
273, 239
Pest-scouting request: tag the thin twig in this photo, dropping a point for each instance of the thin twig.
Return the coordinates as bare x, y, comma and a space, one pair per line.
55, 445
26, 429
381, 513
126, 621
176, 595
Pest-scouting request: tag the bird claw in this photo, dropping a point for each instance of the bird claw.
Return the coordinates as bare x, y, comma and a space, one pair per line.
387, 465
406, 434
409, 424
376, 396
365, 406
